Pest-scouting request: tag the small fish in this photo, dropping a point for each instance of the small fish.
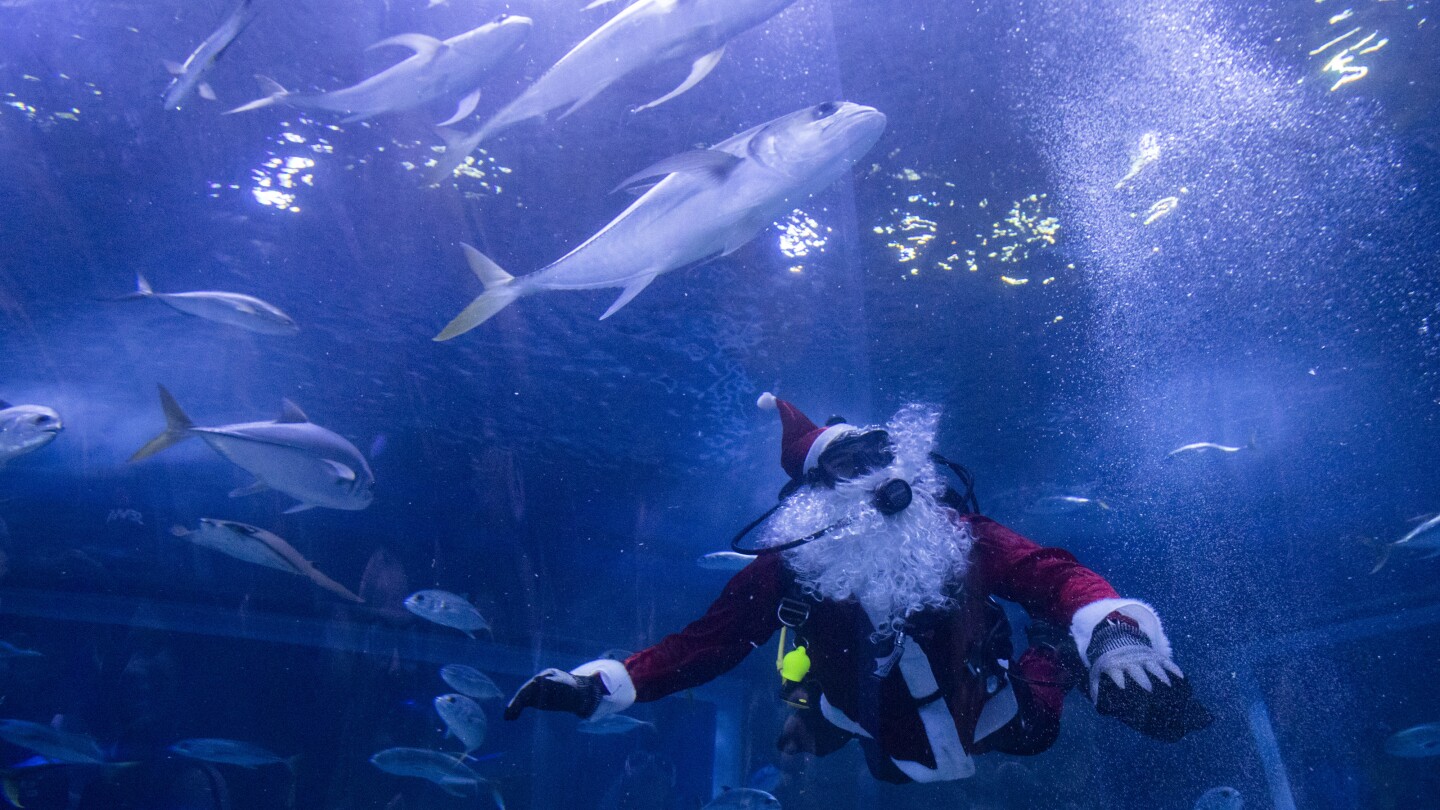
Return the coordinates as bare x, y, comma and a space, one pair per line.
743, 799
1220, 798
470, 681
1210, 447
1064, 504
62, 746
612, 724
453, 776
1415, 742
192, 74
232, 309
25, 429
448, 609
709, 203
464, 719
259, 547
290, 454
437, 69
724, 561
8, 650
227, 752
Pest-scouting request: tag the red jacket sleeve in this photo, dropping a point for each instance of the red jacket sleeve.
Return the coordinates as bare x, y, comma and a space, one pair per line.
742, 619
1047, 582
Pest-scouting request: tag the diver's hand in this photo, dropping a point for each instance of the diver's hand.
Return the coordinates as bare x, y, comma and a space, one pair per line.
555, 690
1166, 710
1119, 650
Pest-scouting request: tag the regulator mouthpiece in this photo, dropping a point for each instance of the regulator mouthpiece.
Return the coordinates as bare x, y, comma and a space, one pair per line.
893, 496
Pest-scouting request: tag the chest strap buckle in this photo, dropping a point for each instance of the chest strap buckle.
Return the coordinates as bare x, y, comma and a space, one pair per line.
792, 612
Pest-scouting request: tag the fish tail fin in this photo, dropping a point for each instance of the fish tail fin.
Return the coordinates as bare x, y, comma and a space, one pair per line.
177, 428
142, 290
11, 787
458, 146
500, 292
272, 92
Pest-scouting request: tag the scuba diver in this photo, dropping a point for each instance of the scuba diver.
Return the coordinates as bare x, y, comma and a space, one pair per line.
884, 576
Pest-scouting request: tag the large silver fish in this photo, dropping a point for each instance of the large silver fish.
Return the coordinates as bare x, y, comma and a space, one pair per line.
63, 746
453, 776
1415, 742
259, 547
25, 429
470, 681
231, 309
228, 752
712, 203
639, 39
291, 455
437, 69
464, 719
447, 609
192, 74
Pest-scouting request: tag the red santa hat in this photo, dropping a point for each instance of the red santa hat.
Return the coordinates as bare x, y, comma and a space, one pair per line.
802, 441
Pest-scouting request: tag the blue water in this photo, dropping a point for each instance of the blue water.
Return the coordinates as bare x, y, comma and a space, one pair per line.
1002, 253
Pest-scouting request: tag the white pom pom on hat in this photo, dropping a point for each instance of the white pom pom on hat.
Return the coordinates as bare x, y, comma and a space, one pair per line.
766, 402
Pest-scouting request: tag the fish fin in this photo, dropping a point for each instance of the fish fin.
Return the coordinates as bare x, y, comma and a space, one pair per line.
700, 161
458, 146
142, 287
299, 507
177, 427
12, 791
272, 92
426, 46
1381, 558
341, 471
698, 71
597, 4
634, 288
290, 414
452, 786
252, 489
463, 109
489, 273
207, 92
173, 68
179, 531
499, 293
641, 189
585, 99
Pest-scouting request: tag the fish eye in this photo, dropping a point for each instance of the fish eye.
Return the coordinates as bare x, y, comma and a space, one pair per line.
42, 419
826, 110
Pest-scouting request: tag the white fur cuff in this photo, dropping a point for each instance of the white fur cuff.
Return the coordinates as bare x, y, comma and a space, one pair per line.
617, 681
1086, 619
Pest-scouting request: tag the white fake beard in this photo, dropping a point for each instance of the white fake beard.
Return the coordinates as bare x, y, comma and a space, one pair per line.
895, 566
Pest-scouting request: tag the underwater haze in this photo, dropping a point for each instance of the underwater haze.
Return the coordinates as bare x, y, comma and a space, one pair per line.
1168, 271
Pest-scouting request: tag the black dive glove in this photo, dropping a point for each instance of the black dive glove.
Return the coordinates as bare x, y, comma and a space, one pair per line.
1164, 708
555, 690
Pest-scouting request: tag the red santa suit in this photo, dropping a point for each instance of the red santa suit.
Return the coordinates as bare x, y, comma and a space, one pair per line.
940, 702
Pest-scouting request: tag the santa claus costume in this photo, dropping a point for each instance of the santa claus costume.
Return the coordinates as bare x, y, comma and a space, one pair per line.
889, 585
